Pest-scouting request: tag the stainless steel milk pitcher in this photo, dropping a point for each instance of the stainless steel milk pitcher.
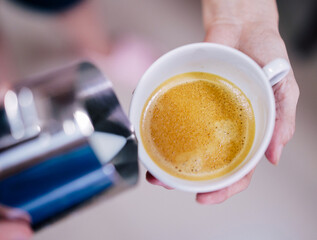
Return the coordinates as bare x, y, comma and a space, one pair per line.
63, 140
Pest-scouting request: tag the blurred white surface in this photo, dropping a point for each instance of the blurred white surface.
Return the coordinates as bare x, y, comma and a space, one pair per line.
281, 201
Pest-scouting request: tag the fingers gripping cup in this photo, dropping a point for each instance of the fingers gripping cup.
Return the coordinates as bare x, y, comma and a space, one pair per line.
204, 115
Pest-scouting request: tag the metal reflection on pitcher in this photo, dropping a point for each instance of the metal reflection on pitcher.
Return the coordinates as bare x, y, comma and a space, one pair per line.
64, 139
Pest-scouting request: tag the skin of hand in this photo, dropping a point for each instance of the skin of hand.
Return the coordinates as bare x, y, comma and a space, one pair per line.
251, 27
14, 224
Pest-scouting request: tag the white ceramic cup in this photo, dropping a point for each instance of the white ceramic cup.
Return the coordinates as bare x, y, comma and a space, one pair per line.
235, 66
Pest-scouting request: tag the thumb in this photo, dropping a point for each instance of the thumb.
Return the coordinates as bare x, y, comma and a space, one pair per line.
10, 230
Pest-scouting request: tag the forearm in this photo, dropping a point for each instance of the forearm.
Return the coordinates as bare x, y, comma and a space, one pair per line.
240, 12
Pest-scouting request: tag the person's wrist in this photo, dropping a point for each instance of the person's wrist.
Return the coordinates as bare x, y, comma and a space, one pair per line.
240, 13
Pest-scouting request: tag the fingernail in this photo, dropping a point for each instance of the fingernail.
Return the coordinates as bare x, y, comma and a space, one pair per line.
278, 154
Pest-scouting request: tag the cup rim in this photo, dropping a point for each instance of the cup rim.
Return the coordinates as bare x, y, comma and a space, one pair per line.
231, 178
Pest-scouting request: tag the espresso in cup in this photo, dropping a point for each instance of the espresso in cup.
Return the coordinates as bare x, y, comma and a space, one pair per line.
197, 126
